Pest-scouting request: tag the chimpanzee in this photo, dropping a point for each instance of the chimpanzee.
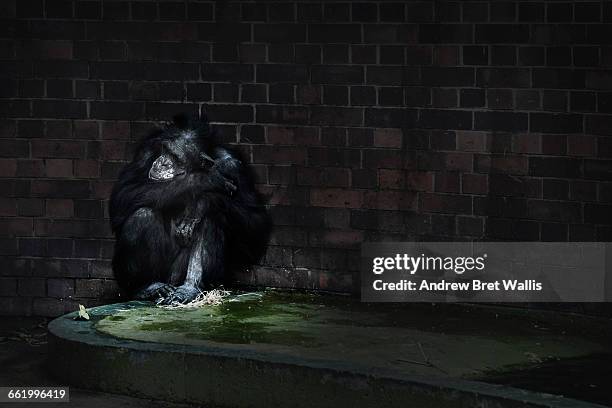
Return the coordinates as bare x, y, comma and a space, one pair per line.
184, 211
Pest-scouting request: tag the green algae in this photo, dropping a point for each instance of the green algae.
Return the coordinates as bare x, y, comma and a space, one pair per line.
456, 340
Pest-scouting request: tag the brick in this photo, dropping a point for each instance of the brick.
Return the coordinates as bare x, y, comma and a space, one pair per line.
335, 53
447, 182
582, 145
390, 117
8, 207
554, 101
8, 287
227, 93
531, 12
311, 13
15, 108
554, 167
392, 55
586, 56
96, 288
507, 121
505, 164
281, 114
445, 119
337, 157
117, 110
363, 95
502, 33
31, 287
475, 184
58, 168
436, 76
281, 73
471, 141
391, 75
389, 200
278, 155
558, 56
419, 181
30, 207
503, 78
445, 33
336, 198
391, 96
363, 54
336, 116
307, 54
446, 203
511, 229
514, 186
388, 138
227, 72
587, 12
32, 247
60, 188
554, 211
391, 179
531, 56
558, 34
558, 78
335, 95
475, 55
85, 129
293, 136
446, 55
527, 100
390, 33
337, 74
281, 12
503, 55
470, 226
60, 288
280, 32
336, 11
503, 11
475, 11
30, 168
526, 143
335, 33
555, 123
471, 98
29, 9
57, 149
16, 227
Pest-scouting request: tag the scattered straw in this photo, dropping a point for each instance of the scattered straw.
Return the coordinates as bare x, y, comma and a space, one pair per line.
212, 297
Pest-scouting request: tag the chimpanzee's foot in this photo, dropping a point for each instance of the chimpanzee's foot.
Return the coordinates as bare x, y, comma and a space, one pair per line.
154, 291
183, 294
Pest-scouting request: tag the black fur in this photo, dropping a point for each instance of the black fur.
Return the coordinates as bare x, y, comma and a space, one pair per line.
175, 236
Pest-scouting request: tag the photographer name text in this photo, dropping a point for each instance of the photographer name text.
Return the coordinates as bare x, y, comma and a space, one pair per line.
446, 286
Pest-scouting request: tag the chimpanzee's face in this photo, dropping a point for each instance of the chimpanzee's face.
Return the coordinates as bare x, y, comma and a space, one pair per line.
186, 146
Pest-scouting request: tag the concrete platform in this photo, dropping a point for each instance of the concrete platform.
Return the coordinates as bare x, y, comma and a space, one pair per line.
279, 349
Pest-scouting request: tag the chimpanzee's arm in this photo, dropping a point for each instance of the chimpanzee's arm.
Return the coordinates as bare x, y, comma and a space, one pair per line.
135, 189
232, 168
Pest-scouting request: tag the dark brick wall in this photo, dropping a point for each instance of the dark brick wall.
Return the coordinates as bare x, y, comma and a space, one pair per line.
371, 120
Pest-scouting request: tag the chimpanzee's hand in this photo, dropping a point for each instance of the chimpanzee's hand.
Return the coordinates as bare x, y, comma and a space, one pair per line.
184, 231
228, 166
183, 294
224, 183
